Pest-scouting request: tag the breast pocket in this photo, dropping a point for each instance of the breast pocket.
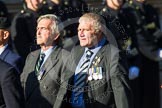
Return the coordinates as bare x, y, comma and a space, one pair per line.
100, 90
49, 87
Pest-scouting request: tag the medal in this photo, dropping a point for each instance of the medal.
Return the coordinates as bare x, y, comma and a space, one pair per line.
90, 74
94, 71
99, 76
89, 78
95, 76
100, 73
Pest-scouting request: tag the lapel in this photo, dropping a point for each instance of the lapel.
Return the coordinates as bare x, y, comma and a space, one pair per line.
51, 61
34, 58
75, 57
4, 53
100, 54
31, 80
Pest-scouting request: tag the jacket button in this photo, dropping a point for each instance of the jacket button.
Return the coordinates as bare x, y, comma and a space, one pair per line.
45, 87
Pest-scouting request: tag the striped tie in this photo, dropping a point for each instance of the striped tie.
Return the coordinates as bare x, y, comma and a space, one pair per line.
80, 81
39, 63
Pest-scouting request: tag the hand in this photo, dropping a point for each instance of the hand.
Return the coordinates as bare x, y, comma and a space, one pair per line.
133, 72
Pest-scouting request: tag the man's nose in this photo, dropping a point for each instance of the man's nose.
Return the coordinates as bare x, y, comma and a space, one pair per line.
38, 31
81, 33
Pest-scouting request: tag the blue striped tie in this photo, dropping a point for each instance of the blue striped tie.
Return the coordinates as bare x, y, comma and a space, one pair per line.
80, 82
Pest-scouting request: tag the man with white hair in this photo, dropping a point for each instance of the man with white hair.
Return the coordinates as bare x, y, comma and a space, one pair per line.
95, 77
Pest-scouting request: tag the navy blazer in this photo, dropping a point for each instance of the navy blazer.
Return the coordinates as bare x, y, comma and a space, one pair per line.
12, 58
11, 92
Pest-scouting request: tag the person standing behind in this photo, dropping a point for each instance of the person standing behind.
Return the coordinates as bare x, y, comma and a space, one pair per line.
116, 22
11, 92
94, 78
144, 21
23, 28
6, 52
41, 74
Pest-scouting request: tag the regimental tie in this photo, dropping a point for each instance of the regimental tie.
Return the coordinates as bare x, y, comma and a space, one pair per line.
39, 63
80, 81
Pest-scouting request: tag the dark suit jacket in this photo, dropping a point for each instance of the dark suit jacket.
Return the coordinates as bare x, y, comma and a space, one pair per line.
11, 92
42, 93
12, 58
112, 91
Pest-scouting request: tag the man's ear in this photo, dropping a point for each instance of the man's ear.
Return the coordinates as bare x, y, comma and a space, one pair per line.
6, 34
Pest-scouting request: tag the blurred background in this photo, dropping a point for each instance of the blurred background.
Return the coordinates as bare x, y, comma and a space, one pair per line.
15, 6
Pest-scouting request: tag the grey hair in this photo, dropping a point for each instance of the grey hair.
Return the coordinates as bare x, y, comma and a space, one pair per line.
56, 26
97, 22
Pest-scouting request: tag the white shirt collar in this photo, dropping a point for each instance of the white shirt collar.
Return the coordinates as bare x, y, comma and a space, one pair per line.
47, 53
3, 48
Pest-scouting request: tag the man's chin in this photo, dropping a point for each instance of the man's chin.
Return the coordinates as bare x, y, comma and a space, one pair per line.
82, 45
39, 42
